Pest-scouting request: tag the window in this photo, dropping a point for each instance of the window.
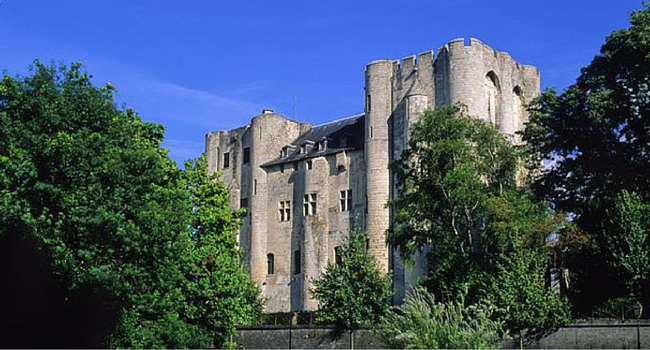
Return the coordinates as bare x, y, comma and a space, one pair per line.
247, 155
366, 204
345, 200
270, 264
303, 148
492, 96
519, 107
226, 160
255, 187
243, 204
309, 204
282, 168
309, 164
284, 209
338, 256
321, 145
297, 264
368, 103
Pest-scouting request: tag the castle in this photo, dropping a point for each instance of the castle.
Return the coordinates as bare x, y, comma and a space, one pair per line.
306, 186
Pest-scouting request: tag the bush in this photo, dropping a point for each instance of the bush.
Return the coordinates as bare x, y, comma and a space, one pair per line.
422, 323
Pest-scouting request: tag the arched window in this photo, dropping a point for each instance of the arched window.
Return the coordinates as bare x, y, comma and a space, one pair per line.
270, 264
492, 91
518, 99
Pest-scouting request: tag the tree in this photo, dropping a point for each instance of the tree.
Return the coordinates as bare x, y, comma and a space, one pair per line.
459, 199
520, 289
628, 239
453, 166
594, 141
594, 136
423, 323
353, 292
219, 291
91, 185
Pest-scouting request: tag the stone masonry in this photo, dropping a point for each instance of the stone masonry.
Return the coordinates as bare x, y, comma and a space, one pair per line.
306, 186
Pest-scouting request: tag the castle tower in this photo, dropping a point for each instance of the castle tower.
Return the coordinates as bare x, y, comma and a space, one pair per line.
378, 109
305, 186
490, 83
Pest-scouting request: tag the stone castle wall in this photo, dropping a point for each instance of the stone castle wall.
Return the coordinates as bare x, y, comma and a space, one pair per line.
489, 83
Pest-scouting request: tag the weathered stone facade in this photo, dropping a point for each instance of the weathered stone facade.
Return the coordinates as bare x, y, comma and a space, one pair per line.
306, 186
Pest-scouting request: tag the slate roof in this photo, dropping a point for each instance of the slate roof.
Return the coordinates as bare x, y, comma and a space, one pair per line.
341, 134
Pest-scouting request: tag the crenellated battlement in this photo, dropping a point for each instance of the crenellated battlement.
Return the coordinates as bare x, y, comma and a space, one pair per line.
297, 215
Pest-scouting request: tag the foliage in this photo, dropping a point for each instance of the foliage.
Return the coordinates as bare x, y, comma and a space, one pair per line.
447, 180
594, 140
486, 237
596, 131
92, 185
220, 293
615, 308
628, 228
520, 289
423, 323
354, 292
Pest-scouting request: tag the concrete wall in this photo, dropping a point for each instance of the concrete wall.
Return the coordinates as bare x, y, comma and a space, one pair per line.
601, 335
596, 335
304, 337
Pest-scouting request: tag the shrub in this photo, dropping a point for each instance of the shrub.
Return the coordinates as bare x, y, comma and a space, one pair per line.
423, 323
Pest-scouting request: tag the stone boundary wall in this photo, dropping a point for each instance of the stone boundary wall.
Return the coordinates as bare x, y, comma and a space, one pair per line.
304, 337
585, 335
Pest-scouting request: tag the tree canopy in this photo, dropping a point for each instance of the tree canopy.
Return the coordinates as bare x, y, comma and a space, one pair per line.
594, 141
459, 201
352, 292
595, 135
91, 184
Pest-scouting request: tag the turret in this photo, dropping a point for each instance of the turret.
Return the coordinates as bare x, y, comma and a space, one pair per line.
379, 76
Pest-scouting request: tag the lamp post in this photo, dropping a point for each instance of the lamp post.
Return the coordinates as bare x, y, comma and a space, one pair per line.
638, 310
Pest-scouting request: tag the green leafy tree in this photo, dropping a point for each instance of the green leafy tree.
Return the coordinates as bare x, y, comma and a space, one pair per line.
423, 323
353, 292
520, 289
628, 230
593, 138
594, 135
459, 199
92, 186
519, 229
453, 166
219, 291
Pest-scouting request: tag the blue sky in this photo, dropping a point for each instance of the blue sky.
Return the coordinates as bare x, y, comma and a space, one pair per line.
200, 66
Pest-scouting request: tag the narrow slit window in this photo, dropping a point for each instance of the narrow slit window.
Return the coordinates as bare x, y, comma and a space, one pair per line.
243, 204
270, 264
338, 256
309, 164
247, 155
226, 160
297, 263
